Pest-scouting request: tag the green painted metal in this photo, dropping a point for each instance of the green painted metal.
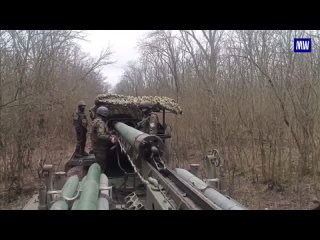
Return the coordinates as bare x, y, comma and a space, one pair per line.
155, 200
70, 187
103, 202
214, 196
94, 172
75, 204
68, 191
59, 205
127, 132
89, 197
138, 139
90, 189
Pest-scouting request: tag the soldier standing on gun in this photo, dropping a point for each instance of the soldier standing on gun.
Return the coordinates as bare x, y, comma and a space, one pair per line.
101, 138
150, 120
80, 123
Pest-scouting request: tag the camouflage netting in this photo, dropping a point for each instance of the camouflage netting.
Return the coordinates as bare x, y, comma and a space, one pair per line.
125, 104
118, 109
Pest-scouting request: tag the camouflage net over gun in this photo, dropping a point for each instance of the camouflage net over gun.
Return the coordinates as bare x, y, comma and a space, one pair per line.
130, 104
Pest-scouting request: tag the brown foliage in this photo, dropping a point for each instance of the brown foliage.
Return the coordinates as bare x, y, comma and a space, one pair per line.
244, 92
43, 75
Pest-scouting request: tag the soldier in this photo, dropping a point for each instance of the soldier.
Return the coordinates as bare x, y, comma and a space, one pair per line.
150, 120
80, 123
101, 138
93, 112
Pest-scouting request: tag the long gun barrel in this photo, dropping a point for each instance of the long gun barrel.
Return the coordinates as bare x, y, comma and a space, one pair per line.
143, 143
151, 148
217, 198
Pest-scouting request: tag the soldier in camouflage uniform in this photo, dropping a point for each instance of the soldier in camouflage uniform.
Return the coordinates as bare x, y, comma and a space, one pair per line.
101, 138
80, 123
150, 120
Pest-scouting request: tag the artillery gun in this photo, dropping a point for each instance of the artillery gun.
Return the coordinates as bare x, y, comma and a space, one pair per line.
137, 177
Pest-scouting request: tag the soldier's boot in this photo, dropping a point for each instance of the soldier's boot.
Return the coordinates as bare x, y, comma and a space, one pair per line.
82, 150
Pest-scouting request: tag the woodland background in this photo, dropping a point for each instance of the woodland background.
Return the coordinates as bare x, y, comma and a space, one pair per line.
245, 93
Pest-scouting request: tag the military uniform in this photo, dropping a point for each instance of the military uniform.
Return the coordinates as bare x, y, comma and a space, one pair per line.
93, 111
149, 123
101, 142
80, 123
153, 123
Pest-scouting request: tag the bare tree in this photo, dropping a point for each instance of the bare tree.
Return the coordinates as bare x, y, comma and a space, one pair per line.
245, 92
43, 74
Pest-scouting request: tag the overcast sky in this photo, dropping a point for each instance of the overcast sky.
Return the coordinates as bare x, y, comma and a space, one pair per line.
123, 44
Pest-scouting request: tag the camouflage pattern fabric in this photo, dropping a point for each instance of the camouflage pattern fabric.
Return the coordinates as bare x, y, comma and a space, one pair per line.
149, 124
80, 123
100, 135
132, 102
101, 143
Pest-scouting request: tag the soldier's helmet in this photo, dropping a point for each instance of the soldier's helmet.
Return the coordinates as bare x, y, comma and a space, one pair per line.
81, 103
103, 111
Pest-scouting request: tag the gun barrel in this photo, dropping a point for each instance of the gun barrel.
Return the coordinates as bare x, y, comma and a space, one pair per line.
213, 195
139, 140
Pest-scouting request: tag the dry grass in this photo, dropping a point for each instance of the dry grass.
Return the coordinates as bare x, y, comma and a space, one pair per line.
297, 194
261, 196
57, 153
293, 194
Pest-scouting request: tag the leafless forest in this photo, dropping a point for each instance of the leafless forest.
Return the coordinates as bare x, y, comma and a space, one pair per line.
43, 75
245, 93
